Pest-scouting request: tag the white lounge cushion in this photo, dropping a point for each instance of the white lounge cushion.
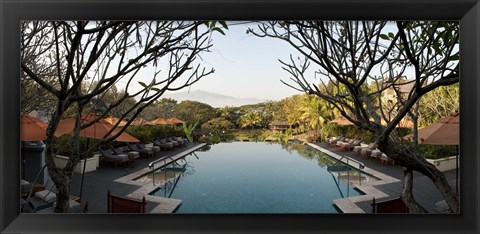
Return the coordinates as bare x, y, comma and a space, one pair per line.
366, 150
357, 148
24, 182
25, 186
71, 203
46, 195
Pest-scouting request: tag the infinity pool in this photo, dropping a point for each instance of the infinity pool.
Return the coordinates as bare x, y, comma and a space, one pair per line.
250, 177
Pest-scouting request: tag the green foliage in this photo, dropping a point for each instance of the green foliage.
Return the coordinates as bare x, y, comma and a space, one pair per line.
143, 133
437, 151
290, 132
332, 130
439, 103
281, 137
231, 114
193, 112
251, 120
213, 139
163, 108
188, 130
401, 131
212, 26
148, 133
64, 145
313, 110
251, 134
218, 123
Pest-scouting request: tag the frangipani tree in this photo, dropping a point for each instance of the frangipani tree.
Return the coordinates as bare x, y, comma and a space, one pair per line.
78, 61
351, 55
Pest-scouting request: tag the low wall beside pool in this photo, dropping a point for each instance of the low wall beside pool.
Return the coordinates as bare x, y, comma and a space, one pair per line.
444, 164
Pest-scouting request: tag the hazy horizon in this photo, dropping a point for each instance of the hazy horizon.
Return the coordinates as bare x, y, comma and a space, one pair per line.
214, 99
245, 66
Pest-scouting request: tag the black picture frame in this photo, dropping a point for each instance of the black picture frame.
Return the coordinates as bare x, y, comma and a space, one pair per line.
12, 12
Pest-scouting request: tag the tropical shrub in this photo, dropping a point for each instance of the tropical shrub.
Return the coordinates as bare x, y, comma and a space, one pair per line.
218, 123
64, 145
188, 130
437, 151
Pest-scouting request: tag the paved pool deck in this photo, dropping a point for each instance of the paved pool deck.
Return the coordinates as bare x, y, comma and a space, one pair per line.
120, 181
389, 186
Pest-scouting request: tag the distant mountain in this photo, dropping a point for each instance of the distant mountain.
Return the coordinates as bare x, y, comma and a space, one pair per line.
212, 99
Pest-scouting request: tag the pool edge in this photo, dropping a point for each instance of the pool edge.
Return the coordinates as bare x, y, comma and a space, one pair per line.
347, 205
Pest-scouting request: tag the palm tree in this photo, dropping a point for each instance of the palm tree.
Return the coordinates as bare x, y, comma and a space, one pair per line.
250, 119
313, 110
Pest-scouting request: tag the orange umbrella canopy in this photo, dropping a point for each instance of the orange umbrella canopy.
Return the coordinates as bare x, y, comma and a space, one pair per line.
112, 120
160, 121
175, 120
341, 121
404, 123
141, 122
33, 129
445, 131
96, 130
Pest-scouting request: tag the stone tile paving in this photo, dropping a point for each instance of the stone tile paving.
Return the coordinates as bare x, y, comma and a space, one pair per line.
98, 182
424, 190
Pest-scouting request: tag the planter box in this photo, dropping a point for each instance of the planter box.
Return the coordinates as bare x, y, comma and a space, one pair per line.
444, 164
92, 163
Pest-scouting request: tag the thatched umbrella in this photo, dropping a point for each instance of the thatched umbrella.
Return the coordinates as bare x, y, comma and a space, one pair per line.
160, 121
174, 120
141, 122
112, 120
97, 130
445, 131
33, 129
341, 121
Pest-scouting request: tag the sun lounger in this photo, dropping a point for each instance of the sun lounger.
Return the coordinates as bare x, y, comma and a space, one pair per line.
358, 148
145, 153
106, 155
174, 142
163, 145
44, 202
363, 148
387, 160
334, 141
155, 149
366, 152
26, 187
350, 146
181, 140
379, 155
330, 139
132, 155
345, 142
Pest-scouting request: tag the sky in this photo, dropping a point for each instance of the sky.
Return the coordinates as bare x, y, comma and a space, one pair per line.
246, 66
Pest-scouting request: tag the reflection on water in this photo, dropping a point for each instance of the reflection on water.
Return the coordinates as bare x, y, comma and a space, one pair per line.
249, 177
337, 169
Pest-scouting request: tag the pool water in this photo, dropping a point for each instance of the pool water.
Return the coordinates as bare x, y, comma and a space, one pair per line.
258, 177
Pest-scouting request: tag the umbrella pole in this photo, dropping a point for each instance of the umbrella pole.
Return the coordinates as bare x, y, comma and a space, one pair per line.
456, 171
83, 172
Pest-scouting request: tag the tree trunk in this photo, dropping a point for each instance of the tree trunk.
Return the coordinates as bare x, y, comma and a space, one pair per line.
403, 158
63, 193
407, 194
61, 178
